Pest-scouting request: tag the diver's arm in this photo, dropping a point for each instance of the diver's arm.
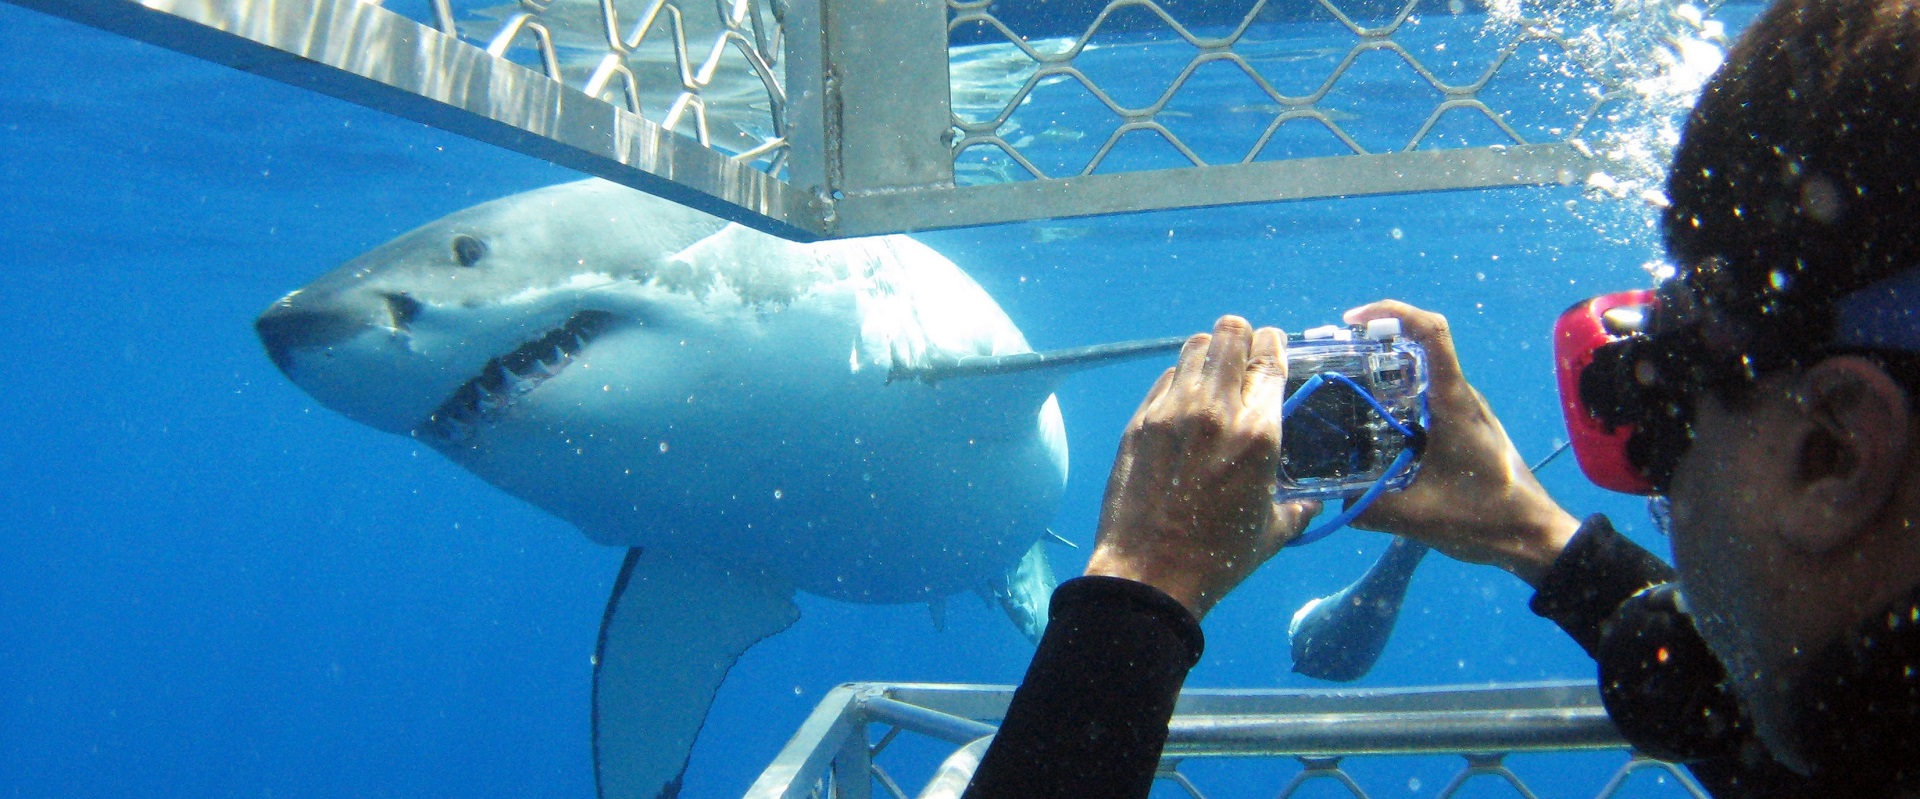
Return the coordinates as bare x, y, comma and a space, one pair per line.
1190, 507
1593, 576
1662, 687
1091, 715
1189, 513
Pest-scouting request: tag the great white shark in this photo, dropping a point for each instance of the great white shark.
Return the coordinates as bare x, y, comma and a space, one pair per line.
748, 416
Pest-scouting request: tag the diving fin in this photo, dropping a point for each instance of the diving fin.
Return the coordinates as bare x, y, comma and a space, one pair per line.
672, 629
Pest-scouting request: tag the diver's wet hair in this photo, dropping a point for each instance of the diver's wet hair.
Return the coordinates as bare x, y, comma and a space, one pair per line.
1798, 177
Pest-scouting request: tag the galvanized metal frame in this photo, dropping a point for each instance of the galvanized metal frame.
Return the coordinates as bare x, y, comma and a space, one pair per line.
1210, 186
368, 55
830, 755
864, 138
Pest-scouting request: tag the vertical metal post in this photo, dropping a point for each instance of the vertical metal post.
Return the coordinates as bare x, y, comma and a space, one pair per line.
868, 97
853, 766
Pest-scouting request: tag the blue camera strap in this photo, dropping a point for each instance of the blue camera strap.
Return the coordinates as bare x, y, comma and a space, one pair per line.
1400, 464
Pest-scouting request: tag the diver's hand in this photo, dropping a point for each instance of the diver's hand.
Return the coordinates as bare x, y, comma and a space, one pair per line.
1474, 499
1189, 507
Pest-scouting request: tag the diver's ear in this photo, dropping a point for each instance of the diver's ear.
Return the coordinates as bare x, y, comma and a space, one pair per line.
1850, 452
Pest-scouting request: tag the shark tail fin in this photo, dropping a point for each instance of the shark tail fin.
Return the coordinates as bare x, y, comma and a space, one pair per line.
1339, 637
672, 629
1025, 591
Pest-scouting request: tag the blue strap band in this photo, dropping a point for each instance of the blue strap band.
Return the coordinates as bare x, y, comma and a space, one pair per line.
1359, 506
1882, 315
1400, 464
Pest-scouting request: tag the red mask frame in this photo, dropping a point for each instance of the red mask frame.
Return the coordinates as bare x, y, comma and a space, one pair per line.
1579, 331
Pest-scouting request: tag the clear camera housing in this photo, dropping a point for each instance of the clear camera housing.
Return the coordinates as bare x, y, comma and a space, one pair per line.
1335, 443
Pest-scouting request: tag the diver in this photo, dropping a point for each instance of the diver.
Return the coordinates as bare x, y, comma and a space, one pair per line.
1764, 395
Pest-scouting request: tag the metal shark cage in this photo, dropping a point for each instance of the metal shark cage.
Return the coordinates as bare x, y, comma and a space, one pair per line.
831, 118
818, 119
835, 754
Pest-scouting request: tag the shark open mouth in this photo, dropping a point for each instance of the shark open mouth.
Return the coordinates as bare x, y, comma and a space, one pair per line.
504, 380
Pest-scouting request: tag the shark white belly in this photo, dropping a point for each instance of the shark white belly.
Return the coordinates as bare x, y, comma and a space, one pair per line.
717, 399
769, 437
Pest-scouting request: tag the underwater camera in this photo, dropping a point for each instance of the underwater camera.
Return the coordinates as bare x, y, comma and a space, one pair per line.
1355, 413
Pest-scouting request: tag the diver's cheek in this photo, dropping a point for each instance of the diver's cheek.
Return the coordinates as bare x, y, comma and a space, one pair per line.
1709, 499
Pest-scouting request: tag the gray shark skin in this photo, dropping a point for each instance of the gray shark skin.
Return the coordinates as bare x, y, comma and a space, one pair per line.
713, 398
1339, 637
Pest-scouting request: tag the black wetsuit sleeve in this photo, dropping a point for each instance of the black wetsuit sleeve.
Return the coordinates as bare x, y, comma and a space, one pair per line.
1661, 685
1091, 716
1593, 577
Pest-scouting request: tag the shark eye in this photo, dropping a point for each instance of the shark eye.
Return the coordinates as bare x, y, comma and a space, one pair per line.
468, 250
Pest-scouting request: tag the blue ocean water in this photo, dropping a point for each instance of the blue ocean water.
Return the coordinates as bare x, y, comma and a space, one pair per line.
211, 586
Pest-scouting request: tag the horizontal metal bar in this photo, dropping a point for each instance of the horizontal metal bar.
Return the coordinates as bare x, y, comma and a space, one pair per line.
1205, 186
1557, 715
1544, 729
989, 702
986, 703
367, 55
931, 723
1426, 698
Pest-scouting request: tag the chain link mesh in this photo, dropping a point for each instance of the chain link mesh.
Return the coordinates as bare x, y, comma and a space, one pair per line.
1527, 740
1282, 83
1467, 774
1138, 88
708, 69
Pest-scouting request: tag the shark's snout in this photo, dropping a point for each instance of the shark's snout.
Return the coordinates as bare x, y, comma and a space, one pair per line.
284, 329
290, 325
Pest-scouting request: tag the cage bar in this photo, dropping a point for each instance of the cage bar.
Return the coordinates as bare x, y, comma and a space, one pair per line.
830, 118
1320, 729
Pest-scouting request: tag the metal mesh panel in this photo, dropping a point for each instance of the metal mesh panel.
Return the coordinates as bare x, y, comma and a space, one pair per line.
832, 118
1292, 80
1473, 774
865, 739
708, 69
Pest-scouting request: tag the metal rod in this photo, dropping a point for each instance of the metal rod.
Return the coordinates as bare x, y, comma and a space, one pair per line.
1070, 358
931, 723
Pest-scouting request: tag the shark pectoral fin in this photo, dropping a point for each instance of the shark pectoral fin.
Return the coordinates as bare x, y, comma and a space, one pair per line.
1339, 637
672, 629
1026, 591
937, 608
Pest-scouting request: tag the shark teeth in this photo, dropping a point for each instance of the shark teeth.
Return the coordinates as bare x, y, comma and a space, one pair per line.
504, 380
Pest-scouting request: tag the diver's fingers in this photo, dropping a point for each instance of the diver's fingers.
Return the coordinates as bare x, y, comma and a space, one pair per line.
1154, 393
1266, 385
1426, 327
1226, 366
1291, 518
1192, 364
